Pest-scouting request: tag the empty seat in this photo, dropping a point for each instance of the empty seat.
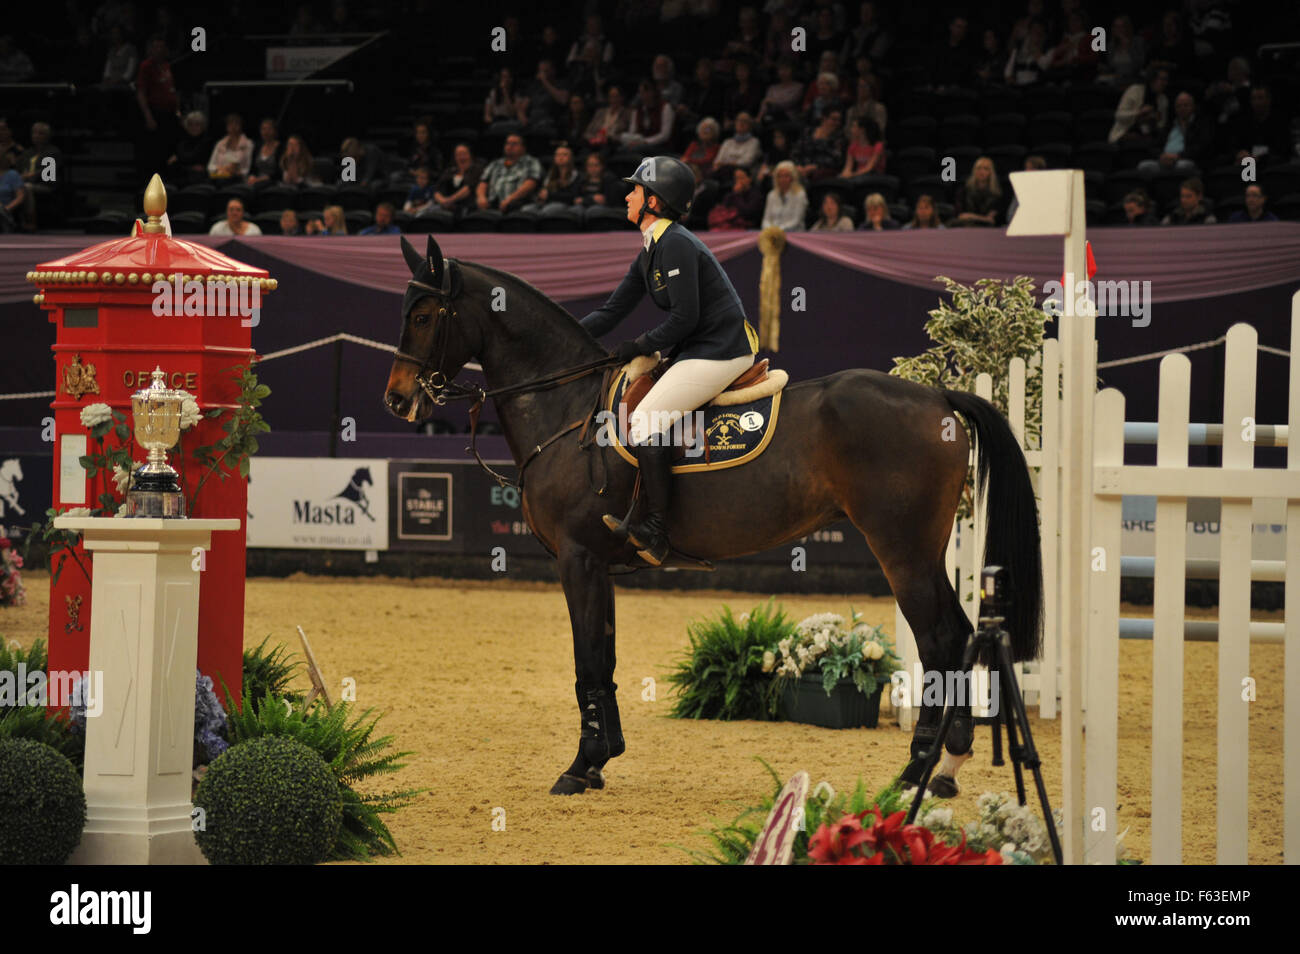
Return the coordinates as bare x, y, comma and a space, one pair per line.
958, 131
1049, 127
914, 161
1004, 129
1095, 157
913, 131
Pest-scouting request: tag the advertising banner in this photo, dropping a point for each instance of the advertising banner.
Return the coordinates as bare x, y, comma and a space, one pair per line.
330, 503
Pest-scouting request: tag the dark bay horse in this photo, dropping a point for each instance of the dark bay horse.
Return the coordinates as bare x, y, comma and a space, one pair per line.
884, 452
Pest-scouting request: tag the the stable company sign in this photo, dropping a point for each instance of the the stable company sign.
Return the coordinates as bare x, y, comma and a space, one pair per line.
334, 503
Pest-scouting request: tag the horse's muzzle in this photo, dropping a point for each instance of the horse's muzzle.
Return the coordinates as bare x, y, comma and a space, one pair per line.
403, 407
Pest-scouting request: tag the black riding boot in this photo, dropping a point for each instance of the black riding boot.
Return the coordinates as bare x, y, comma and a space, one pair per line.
650, 534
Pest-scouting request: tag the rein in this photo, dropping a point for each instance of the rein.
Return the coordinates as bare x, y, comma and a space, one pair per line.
434, 383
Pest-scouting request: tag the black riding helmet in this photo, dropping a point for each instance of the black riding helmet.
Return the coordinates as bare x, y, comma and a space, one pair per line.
670, 179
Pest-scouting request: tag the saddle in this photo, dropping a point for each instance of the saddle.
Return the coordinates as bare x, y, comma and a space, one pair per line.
645, 371
755, 384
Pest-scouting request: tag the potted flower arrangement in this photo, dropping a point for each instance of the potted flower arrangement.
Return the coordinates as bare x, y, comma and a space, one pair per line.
831, 671
12, 592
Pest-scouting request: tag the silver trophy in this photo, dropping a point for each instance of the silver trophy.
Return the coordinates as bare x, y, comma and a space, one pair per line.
155, 485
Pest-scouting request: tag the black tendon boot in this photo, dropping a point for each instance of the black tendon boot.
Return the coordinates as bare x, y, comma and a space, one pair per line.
922, 741
650, 534
602, 730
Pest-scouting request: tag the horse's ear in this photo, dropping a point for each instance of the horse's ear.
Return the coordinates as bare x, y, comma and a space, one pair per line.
413, 260
434, 256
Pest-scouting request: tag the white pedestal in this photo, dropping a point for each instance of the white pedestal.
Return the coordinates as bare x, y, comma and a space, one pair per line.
144, 628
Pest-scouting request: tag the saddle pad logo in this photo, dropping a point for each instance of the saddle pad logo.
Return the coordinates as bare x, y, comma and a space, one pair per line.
733, 434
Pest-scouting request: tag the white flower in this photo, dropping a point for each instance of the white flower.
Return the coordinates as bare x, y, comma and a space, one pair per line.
769, 661
873, 651
803, 655
77, 512
821, 640
190, 414
95, 414
121, 478
121, 511
938, 818
784, 646
1008, 848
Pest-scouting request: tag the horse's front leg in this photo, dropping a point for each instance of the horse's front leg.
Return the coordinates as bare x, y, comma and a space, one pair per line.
590, 595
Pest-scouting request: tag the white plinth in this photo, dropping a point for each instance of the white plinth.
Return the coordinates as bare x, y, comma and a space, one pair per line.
144, 627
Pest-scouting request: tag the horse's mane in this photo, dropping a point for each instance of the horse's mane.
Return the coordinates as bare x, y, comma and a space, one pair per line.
527, 286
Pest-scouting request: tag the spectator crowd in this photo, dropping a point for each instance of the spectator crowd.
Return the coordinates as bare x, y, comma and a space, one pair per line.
865, 122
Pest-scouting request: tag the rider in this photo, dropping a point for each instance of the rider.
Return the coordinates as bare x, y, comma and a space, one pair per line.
713, 342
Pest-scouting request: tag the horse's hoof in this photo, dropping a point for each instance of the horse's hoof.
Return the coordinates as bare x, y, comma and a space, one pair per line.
943, 786
570, 785
595, 778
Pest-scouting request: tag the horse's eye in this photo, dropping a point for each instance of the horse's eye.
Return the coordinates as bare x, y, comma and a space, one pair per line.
421, 319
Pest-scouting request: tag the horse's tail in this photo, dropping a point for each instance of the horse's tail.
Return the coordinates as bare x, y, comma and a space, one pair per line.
1012, 539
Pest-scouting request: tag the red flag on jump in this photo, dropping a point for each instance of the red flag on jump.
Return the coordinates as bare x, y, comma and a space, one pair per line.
1092, 264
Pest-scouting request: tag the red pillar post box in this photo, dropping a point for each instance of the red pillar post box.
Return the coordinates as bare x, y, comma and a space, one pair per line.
123, 308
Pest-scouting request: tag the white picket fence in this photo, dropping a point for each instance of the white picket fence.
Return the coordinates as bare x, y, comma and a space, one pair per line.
1238, 484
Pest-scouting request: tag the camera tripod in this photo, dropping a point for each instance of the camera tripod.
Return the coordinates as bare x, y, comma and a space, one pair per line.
991, 641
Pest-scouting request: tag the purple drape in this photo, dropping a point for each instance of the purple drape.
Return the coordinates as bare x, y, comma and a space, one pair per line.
1181, 263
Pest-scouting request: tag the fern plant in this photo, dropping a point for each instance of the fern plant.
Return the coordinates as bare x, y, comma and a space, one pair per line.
269, 673
347, 744
721, 675
979, 332
36, 722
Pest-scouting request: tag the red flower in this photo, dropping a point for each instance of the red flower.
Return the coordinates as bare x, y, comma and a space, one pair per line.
888, 842
4, 543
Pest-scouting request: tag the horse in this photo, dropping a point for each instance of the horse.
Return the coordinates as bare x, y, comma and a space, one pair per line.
884, 452
11, 471
355, 491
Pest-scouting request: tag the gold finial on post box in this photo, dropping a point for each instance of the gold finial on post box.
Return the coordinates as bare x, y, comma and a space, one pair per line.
155, 204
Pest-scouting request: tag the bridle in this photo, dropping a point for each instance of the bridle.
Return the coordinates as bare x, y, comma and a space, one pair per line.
434, 383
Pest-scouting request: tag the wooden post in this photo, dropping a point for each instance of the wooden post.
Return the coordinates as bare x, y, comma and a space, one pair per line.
1051, 202
1168, 611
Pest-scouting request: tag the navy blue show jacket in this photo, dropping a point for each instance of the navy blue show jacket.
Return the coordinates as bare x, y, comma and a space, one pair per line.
706, 318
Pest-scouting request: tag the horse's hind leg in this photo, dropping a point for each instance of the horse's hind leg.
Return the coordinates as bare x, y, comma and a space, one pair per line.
590, 595
909, 539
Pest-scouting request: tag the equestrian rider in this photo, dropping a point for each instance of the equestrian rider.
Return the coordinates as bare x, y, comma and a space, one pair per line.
712, 341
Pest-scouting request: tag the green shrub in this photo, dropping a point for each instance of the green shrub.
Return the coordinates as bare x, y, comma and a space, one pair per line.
42, 806
268, 801
721, 675
344, 742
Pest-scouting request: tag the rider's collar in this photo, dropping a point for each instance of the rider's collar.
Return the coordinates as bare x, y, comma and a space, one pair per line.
652, 232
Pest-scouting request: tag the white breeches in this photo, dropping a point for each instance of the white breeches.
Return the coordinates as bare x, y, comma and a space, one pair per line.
685, 386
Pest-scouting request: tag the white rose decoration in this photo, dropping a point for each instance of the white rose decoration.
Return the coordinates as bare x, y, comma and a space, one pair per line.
769, 661
121, 479
190, 414
77, 512
93, 415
